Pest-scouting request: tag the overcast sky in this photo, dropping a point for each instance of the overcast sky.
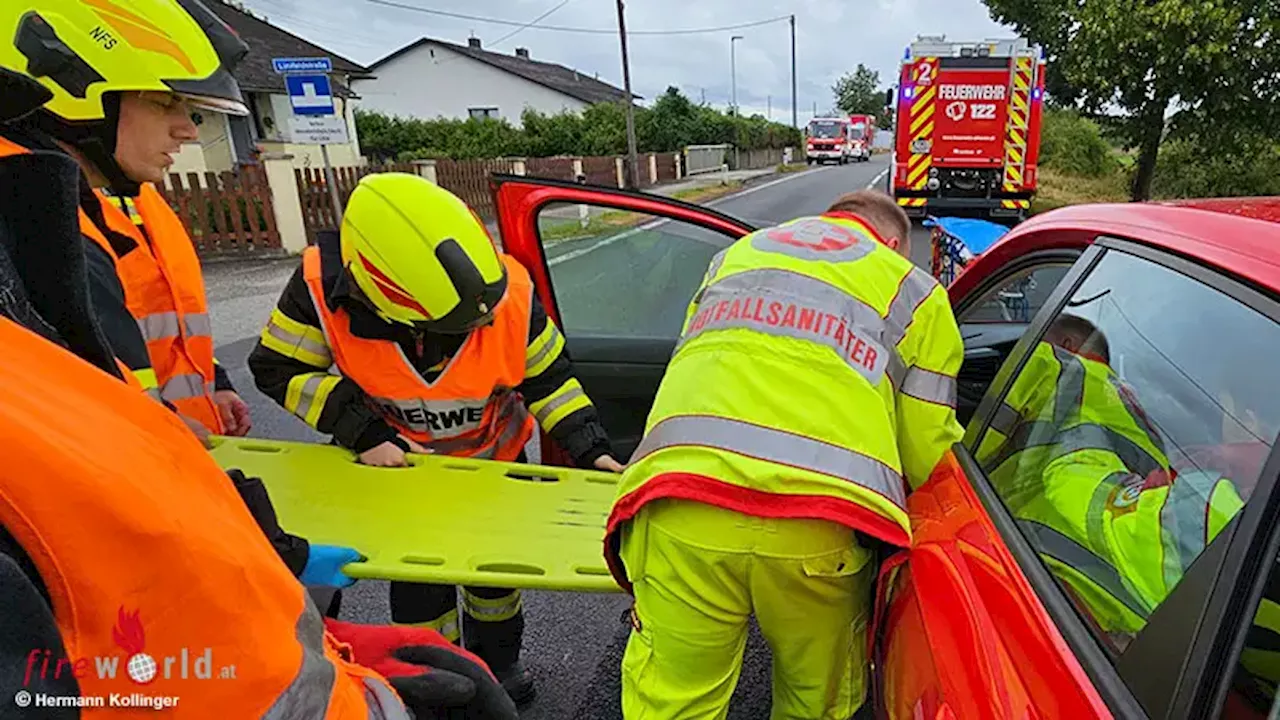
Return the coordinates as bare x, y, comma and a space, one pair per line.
832, 37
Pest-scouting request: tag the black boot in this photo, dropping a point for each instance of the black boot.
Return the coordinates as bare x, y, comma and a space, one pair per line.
493, 633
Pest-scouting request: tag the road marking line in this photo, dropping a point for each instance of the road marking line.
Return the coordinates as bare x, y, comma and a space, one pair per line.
574, 254
871, 185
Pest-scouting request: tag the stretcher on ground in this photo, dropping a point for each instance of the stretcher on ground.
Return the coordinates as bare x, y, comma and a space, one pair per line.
442, 519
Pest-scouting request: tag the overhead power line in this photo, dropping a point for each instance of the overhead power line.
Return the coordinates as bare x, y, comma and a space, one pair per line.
590, 31
529, 24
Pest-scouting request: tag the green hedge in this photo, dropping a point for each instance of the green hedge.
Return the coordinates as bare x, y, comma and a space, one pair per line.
672, 123
1187, 170
1075, 145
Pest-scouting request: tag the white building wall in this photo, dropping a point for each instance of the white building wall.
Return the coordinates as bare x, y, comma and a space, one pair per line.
433, 81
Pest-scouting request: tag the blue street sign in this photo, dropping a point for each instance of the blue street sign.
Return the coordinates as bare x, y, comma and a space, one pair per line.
310, 94
285, 66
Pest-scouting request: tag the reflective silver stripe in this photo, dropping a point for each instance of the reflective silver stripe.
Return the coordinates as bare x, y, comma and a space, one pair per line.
790, 304
180, 387
198, 324
383, 703
438, 419
307, 395
1070, 396
775, 446
482, 608
545, 349
510, 414
153, 393
158, 326
1054, 544
309, 694
299, 342
1184, 521
717, 261
814, 239
545, 411
1098, 437
897, 370
1005, 420
914, 288
930, 387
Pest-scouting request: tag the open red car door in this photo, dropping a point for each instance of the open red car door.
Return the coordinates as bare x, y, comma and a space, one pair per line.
616, 270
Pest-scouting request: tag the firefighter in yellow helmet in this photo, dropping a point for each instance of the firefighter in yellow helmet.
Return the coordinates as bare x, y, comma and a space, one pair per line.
812, 388
125, 78
441, 346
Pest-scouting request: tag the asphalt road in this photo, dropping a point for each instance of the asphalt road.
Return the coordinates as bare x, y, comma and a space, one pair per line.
573, 642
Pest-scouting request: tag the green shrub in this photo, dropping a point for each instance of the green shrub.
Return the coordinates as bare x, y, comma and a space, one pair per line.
672, 123
1187, 170
1074, 145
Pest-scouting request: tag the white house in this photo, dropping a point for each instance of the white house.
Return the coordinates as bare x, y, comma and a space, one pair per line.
227, 142
430, 79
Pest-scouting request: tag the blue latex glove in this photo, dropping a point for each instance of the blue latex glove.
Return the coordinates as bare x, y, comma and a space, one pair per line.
324, 566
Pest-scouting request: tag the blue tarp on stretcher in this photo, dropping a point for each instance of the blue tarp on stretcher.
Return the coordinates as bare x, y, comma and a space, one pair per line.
956, 241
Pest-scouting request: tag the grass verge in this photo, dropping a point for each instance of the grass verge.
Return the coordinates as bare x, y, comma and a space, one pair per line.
793, 167
1058, 189
707, 192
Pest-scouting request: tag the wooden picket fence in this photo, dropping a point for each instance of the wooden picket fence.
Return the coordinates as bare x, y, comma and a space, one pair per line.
555, 168
226, 214
469, 180
313, 192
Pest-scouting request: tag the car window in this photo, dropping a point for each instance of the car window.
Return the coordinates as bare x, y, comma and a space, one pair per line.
1133, 435
1253, 692
618, 273
1017, 298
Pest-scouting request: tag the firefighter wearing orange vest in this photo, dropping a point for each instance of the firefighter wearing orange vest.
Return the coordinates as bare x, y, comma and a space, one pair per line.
98, 546
442, 347
148, 288
812, 388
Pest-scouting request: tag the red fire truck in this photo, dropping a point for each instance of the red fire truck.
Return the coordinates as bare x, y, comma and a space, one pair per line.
967, 132
827, 140
862, 132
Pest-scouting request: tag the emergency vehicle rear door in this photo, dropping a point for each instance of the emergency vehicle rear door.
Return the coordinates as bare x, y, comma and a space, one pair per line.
616, 270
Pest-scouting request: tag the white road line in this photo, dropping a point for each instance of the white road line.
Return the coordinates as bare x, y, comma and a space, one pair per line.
574, 254
871, 185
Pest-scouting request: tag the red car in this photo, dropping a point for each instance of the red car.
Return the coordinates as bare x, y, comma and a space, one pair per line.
975, 620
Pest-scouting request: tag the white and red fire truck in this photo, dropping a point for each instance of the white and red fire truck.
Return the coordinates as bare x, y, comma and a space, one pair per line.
827, 140
862, 133
967, 132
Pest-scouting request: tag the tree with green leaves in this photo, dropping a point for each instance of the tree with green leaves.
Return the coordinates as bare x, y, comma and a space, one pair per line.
859, 92
1207, 69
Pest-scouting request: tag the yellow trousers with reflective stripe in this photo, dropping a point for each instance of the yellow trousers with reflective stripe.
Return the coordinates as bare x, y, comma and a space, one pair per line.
700, 572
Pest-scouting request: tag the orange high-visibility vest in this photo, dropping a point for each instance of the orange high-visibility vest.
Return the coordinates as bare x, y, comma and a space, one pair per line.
152, 562
164, 289
472, 409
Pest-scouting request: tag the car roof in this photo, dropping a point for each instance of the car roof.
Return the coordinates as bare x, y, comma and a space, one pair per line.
1238, 235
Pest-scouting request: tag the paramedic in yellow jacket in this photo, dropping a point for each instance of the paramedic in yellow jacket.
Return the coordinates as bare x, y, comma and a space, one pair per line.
441, 346
812, 388
1084, 471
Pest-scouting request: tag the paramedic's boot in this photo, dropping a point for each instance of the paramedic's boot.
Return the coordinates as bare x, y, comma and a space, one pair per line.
517, 680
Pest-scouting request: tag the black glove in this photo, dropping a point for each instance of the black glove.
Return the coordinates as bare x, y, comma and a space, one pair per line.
454, 687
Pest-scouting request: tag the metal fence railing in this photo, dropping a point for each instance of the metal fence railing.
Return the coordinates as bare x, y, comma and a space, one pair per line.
705, 158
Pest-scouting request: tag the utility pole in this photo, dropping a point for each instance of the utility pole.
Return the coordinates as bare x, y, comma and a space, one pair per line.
733, 71
631, 117
769, 104
795, 119
704, 96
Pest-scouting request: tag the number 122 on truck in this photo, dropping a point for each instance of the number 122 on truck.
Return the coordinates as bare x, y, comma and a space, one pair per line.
967, 135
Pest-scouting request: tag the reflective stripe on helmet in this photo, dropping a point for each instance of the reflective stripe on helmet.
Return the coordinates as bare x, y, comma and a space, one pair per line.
776, 446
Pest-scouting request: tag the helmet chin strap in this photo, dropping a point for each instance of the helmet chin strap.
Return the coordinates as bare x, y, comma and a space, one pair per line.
95, 140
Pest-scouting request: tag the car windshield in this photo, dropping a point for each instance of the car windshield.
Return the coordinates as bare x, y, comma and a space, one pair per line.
857, 133
826, 130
